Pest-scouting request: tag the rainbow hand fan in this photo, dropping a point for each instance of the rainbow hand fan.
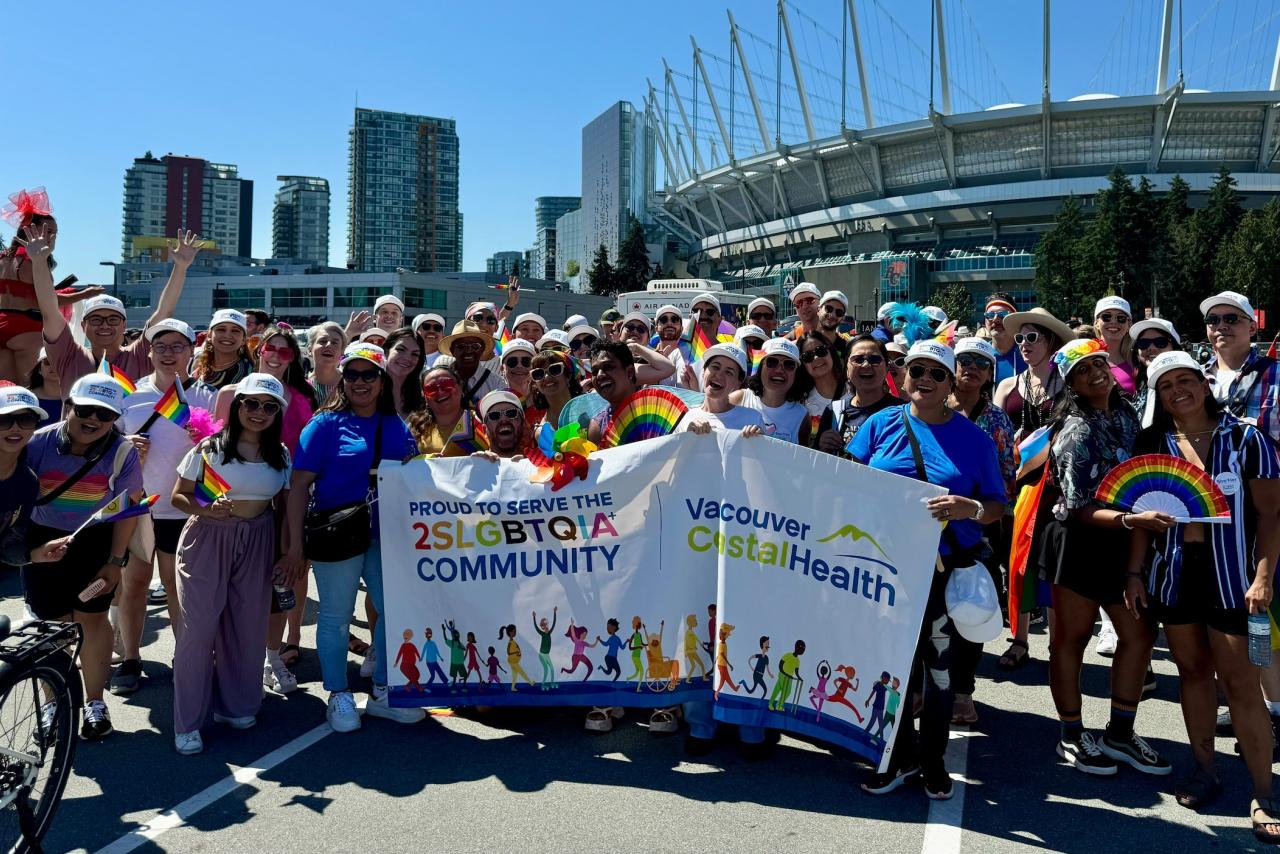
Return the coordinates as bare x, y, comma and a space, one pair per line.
647, 414
1166, 484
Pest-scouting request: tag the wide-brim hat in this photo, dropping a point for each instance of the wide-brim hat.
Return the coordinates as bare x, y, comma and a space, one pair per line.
468, 329
1038, 316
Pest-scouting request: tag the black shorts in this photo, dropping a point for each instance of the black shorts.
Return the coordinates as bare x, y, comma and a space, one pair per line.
1198, 597
168, 532
1087, 560
52, 590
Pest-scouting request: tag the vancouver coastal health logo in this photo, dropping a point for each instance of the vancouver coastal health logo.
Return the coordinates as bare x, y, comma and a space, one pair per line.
770, 539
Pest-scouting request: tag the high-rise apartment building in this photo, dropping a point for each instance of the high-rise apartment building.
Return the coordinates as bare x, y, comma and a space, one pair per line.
162, 196
570, 244
300, 219
403, 208
503, 263
617, 177
546, 210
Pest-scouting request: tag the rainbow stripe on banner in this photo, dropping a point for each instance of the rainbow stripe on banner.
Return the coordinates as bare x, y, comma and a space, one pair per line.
119, 375
173, 405
210, 486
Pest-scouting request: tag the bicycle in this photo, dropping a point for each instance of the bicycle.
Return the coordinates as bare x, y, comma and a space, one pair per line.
40, 696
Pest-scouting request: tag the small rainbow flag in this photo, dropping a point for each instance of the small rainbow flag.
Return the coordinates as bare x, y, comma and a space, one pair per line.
757, 359
210, 486
173, 405
120, 507
1033, 451
947, 334
503, 337
120, 376
468, 437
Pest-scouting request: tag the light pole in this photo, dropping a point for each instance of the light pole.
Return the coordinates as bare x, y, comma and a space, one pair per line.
115, 277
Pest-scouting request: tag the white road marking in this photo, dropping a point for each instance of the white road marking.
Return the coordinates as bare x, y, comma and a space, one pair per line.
177, 816
944, 828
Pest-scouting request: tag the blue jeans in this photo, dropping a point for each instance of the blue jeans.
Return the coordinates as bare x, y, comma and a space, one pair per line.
336, 587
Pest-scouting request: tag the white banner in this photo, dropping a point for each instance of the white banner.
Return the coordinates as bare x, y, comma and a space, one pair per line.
656, 577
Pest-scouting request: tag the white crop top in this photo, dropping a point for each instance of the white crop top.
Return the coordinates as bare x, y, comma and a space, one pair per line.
248, 481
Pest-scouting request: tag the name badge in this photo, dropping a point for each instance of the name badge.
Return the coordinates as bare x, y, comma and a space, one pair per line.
1228, 482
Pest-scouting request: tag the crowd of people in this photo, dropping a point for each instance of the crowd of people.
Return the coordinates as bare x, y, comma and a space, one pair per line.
299, 423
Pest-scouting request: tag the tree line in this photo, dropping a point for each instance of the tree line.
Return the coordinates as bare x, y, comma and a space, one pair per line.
1156, 251
632, 270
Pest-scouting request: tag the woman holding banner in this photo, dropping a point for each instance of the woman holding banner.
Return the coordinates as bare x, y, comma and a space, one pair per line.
927, 440
777, 390
338, 455
83, 463
1205, 580
1082, 551
161, 446
867, 368
225, 560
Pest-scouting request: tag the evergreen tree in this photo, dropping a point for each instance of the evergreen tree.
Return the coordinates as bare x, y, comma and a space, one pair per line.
1249, 262
601, 276
1059, 265
632, 272
956, 300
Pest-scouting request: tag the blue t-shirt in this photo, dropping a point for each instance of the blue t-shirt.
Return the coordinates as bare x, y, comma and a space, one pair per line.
1009, 364
338, 448
612, 644
17, 498
957, 455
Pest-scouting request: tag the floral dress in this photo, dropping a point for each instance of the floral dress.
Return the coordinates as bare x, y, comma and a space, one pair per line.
995, 422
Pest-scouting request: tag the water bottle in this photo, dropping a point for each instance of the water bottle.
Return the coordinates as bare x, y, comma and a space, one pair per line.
1259, 640
285, 600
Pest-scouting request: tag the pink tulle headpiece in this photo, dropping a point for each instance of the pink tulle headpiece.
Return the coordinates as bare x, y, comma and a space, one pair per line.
25, 204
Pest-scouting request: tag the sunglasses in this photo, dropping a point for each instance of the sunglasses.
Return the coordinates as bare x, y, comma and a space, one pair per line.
763, 315
773, 363
268, 407
467, 345
1026, 337
1108, 317
488, 319
936, 374
355, 375
969, 360
899, 362
805, 301
706, 310
284, 354
97, 413
431, 327
996, 315
833, 309
539, 374
582, 341
866, 360
1231, 319
511, 414
439, 389
23, 420
819, 352
753, 343
637, 328
671, 319
1160, 341
517, 361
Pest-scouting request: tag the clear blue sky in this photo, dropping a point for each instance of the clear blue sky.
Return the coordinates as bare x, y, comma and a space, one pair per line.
271, 86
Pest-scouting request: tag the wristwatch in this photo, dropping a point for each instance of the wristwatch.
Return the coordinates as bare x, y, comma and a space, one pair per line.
118, 561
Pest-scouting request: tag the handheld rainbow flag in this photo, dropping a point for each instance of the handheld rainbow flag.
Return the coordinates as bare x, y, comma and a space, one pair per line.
173, 405
1033, 451
699, 341
1166, 484
468, 437
119, 375
947, 334
209, 486
757, 360
1271, 351
503, 337
120, 507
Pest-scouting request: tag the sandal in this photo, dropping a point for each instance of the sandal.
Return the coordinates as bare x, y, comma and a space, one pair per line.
1012, 660
963, 711
1267, 808
289, 654
599, 719
1197, 791
354, 644
663, 722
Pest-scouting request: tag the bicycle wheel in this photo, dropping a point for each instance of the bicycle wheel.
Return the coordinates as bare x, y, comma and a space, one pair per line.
35, 753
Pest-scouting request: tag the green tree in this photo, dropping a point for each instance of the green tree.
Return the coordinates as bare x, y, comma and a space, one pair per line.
956, 300
602, 278
572, 267
633, 260
1060, 269
1249, 262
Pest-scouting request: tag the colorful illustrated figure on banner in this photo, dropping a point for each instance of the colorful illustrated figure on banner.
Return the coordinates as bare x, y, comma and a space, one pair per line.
655, 581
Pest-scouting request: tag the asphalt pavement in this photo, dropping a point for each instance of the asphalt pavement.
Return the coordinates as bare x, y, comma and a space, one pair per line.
534, 781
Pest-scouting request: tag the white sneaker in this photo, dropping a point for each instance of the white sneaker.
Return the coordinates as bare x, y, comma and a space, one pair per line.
188, 743
281, 680
342, 713
245, 722
1107, 640
379, 707
370, 663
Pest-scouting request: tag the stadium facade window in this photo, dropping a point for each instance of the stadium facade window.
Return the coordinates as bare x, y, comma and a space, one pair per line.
1101, 140
996, 150
426, 298
355, 297
917, 162
239, 298
300, 298
1215, 134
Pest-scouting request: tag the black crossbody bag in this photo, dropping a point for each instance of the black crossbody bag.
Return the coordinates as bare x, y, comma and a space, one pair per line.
959, 555
341, 533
